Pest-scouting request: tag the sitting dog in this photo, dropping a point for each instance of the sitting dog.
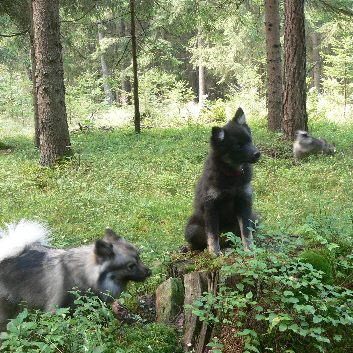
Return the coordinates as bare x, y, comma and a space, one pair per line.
305, 145
42, 276
223, 201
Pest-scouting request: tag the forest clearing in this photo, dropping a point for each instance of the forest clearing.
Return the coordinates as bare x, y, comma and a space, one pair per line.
108, 113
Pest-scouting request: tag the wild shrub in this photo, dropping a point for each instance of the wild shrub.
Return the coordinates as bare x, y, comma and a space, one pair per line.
214, 112
279, 303
90, 327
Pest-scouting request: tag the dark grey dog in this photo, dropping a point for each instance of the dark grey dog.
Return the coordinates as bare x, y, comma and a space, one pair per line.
223, 201
41, 276
305, 145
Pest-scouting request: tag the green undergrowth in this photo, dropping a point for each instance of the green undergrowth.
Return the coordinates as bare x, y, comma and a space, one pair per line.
279, 301
91, 327
3, 146
142, 186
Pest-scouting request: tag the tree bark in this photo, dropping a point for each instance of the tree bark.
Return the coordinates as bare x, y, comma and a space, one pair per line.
137, 118
21, 12
294, 94
316, 60
53, 127
124, 96
274, 65
105, 71
33, 78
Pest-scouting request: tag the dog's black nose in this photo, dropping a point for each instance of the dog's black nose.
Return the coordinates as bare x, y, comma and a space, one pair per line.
148, 272
257, 154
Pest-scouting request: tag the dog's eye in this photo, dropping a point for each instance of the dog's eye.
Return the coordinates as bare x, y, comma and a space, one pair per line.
131, 267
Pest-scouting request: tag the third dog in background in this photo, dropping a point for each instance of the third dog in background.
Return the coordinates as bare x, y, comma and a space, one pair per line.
304, 145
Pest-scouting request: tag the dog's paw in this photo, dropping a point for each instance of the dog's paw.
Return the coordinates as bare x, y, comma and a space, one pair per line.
184, 249
215, 253
213, 247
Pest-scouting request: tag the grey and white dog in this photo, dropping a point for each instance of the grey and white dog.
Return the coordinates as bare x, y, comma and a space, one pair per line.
305, 145
42, 276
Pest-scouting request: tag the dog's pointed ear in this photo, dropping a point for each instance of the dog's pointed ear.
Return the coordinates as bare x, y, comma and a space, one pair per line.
239, 117
218, 134
103, 250
110, 236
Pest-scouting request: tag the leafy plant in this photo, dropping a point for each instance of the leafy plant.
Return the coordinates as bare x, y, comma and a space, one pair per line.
321, 260
214, 112
90, 327
279, 303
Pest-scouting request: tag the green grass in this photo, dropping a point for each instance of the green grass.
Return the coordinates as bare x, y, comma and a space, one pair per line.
143, 186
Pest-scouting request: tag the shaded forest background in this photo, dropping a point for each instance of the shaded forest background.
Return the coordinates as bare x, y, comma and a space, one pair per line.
193, 56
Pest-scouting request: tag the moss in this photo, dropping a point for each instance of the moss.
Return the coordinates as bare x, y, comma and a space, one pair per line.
3, 146
170, 299
321, 260
156, 338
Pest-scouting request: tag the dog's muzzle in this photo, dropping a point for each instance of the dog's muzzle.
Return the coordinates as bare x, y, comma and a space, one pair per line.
255, 156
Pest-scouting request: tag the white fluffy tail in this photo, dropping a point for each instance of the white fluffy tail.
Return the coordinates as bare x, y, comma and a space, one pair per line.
19, 235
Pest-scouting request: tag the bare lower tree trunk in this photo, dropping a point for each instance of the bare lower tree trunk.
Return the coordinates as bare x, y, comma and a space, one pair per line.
124, 96
201, 69
137, 119
126, 90
33, 78
345, 91
21, 12
54, 133
105, 71
294, 94
316, 60
274, 65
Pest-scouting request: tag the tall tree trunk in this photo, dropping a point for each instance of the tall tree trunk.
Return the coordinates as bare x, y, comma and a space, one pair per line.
316, 60
105, 71
33, 78
274, 65
124, 96
54, 133
21, 12
294, 94
201, 69
137, 118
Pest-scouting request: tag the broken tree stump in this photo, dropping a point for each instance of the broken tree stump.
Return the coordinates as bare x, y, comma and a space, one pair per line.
205, 334
169, 300
193, 284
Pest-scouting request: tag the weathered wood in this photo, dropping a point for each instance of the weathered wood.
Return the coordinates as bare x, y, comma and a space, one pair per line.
196, 334
205, 334
169, 300
195, 283
180, 267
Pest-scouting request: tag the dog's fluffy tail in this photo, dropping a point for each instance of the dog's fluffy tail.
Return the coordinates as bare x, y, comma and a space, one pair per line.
17, 236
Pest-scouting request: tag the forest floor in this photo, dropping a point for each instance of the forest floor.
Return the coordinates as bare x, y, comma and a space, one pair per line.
142, 186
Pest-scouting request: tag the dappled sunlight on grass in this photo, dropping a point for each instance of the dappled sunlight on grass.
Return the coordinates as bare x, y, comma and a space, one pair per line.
143, 186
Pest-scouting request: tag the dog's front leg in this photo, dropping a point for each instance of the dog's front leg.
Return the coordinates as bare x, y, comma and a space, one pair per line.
212, 229
7, 311
245, 230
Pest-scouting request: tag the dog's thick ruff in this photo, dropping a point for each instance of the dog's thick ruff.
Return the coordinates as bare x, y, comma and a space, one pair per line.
223, 200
